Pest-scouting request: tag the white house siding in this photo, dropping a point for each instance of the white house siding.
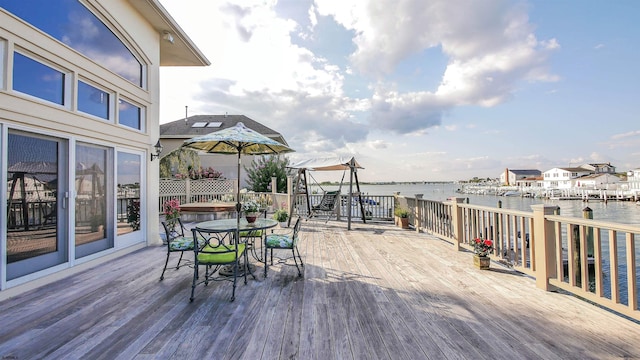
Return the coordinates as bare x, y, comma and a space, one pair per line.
634, 180
25, 113
561, 178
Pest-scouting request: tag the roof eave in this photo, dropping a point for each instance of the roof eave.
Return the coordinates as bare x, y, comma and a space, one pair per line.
182, 52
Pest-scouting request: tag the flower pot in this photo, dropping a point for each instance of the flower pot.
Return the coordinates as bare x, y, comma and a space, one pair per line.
251, 217
284, 224
481, 262
404, 222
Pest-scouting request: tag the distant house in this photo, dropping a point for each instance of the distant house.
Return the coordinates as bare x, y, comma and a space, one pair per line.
597, 181
530, 182
173, 135
600, 168
562, 178
633, 179
510, 177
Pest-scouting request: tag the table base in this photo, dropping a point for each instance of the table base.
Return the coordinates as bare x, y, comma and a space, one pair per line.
227, 270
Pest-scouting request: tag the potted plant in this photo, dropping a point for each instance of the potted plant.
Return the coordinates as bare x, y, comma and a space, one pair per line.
403, 217
482, 248
281, 216
251, 210
171, 209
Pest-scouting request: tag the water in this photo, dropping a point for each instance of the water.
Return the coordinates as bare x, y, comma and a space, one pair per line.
624, 212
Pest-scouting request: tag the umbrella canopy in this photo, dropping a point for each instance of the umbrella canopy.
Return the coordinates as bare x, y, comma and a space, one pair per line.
237, 139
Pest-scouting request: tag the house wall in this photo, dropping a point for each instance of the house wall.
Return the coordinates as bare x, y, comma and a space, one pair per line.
21, 112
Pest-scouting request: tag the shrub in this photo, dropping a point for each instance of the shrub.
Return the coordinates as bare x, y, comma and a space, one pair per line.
263, 168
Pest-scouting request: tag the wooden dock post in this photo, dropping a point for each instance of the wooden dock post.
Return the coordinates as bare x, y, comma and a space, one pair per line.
458, 228
418, 211
543, 238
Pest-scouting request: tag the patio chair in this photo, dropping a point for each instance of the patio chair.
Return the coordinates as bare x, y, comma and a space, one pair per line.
327, 204
217, 249
284, 240
176, 242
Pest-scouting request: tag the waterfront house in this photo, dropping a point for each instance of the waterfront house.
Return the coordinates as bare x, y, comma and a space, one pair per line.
535, 182
173, 135
510, 176
633, 179
562, 178
601, 181
79, 116
600, 168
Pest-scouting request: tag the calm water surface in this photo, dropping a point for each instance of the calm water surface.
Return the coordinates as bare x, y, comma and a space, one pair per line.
625, 212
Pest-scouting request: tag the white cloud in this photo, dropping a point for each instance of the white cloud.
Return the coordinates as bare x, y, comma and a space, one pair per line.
266, 67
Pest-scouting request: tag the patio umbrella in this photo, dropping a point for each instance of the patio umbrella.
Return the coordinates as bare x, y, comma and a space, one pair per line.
238, 139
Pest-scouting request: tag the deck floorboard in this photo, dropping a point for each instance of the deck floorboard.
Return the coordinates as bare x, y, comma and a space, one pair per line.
375, 292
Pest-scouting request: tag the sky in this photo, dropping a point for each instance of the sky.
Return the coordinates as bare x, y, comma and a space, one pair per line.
421, 90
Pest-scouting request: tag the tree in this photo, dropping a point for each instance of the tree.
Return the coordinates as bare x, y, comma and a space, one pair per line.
263, 168
179, 161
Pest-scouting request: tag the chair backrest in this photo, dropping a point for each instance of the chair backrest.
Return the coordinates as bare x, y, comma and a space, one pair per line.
296, 229
215, 247
328, 201
173, 229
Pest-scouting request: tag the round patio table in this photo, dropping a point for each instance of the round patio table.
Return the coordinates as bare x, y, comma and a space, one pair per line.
249, 230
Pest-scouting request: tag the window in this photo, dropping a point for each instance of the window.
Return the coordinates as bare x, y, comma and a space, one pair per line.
92, 100
36, 79
215, 124
129, 115
74, 25
199, 124
3, 50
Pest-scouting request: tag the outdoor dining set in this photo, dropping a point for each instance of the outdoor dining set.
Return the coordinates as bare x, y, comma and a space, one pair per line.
223, 249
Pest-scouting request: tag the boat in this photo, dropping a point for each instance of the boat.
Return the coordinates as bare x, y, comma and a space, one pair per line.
512, 193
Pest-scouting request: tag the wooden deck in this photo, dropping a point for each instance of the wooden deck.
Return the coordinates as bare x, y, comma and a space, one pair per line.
376, 292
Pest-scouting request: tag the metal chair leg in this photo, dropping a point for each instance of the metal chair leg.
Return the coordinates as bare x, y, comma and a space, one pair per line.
180, 259
166, 262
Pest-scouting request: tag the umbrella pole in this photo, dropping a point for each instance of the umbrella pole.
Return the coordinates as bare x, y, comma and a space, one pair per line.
238, 205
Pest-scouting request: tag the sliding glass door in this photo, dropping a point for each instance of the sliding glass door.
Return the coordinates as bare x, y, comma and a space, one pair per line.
37, 203
93, 215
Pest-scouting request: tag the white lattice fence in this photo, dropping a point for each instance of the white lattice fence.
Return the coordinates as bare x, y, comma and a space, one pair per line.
212, 190
172, 189
187, 191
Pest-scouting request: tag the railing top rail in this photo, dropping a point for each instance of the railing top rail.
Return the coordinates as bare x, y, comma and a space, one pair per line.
497, 210
594, 223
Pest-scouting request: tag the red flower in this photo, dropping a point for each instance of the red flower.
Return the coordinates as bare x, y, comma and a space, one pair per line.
488, 243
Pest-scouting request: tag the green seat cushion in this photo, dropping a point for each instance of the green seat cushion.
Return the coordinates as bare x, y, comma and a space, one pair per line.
181, 243
281, 241
220, 254
255, 233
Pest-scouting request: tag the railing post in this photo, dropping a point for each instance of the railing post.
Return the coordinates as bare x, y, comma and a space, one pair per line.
458, 226
543, 238
587, 213
418, 212
290, 199
187, 190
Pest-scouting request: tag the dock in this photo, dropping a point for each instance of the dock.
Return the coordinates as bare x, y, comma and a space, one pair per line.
375, 292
